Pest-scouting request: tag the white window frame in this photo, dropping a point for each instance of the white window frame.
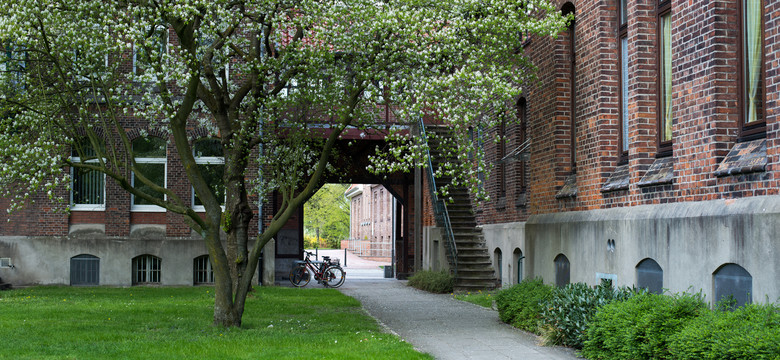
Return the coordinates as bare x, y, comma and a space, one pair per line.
165, 41
207, 160
85, 207
149, 208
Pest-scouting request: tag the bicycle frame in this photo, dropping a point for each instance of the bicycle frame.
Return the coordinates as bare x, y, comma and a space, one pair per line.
328, 272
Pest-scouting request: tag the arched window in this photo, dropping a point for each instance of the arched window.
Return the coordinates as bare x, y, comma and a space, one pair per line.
211, 163
146, 269
150, 155
85, 270
561, 270
498, 262
650, 276
518, 257
732, 281
203, 273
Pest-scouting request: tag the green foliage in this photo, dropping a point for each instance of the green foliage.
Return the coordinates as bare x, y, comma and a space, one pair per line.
749, 332
521, 304
566, 315
439, 282
310, 242
175, 323
328, 211
641, 326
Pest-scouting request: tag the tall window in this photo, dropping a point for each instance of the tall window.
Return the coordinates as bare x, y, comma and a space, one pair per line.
203, 273
149, 153
211, 163
88, 191
522, 128
752, 74
622, 35
500, 153
158, 45
146, 269
568, 8
13, 65
664, 78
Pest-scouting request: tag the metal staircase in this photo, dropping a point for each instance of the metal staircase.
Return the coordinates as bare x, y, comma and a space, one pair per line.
467, 253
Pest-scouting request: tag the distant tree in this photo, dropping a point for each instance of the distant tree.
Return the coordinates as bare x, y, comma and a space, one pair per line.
261, 77
327, 213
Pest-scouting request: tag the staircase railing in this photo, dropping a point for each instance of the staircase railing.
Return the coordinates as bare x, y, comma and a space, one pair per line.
440, 207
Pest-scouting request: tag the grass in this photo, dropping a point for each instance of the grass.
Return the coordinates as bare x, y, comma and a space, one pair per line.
176, 323
484, 299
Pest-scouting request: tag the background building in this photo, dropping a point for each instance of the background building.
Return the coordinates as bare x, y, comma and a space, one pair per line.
371, 221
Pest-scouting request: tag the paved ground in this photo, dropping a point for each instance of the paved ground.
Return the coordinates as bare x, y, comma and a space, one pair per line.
444, 327
356, 267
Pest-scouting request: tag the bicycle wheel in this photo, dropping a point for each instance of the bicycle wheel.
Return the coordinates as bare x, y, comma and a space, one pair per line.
299, 276
334, 276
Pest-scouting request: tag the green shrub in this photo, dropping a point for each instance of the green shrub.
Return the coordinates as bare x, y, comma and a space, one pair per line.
432, 281
566, 314
310, 242
749, 332
640, 327
521, 304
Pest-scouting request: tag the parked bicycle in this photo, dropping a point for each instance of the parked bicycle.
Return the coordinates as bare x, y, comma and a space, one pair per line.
327, 272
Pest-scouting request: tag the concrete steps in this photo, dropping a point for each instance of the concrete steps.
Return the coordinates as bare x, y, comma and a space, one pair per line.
475, 267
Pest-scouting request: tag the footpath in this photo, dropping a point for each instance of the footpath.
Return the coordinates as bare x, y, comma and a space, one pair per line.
443, 327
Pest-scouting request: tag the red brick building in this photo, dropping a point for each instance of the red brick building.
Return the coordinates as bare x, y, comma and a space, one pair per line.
655, 151
371, 221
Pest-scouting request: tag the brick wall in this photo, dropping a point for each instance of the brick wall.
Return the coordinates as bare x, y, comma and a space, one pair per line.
704, 92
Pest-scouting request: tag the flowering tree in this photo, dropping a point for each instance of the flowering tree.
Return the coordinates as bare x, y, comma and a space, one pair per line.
262, 76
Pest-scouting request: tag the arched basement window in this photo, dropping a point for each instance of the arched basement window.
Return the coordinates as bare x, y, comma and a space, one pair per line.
146, 269
499, 265
732, 281
85, 270
203, 273
518, 256
561, 270
650, 276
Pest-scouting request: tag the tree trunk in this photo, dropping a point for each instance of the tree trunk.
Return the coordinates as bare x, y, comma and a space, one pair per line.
226, 313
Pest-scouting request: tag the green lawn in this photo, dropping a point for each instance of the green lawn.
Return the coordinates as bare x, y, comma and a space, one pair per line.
175, 323
484, 299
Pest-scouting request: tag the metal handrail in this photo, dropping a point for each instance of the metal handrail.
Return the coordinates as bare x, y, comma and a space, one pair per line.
440, 207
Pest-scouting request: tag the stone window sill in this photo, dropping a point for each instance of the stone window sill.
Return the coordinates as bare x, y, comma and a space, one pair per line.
744, 157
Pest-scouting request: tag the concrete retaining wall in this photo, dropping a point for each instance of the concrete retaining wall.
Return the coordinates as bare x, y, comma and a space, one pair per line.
690, 241
46, 260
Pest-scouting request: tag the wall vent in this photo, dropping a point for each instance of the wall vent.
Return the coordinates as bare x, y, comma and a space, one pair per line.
5, 263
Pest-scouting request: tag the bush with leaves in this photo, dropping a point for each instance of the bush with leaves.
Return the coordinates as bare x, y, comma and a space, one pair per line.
439, 282
521, 304
640, 327
749, 332
565, 316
